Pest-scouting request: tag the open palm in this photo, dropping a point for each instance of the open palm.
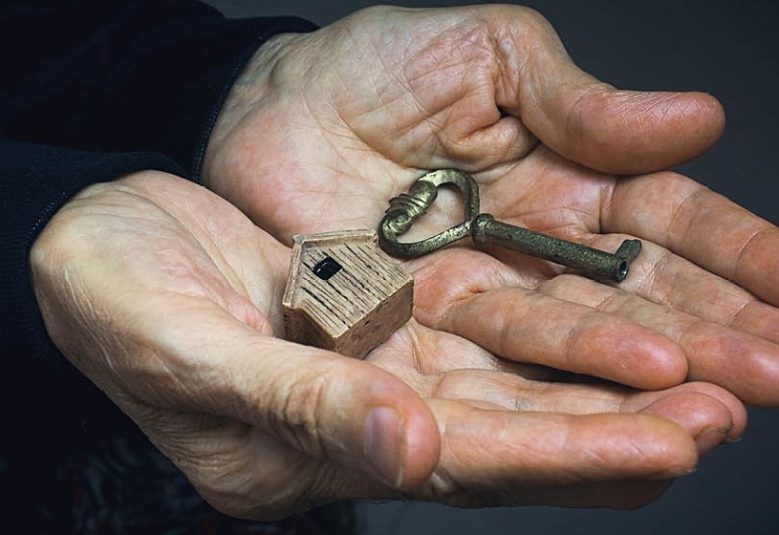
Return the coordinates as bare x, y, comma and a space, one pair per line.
323, 129
169, 298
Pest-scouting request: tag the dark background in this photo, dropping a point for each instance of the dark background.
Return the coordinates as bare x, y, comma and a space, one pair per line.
729, 49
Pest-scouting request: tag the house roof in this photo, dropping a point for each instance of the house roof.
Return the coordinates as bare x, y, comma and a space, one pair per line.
369, 275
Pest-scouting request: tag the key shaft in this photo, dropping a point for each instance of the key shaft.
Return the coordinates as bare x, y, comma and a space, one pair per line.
590, 262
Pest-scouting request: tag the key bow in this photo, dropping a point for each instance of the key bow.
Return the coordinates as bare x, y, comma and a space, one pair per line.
408, 207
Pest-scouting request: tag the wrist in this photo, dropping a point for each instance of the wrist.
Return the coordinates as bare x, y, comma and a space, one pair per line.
257, 83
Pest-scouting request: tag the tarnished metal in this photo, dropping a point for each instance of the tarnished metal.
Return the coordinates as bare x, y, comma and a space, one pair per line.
408, 207
484, 229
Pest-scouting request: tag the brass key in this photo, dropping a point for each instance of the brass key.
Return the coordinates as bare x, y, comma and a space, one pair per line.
484, 229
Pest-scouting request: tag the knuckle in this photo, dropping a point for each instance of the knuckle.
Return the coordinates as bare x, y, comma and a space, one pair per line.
673, 178
378, 12
533, 19
586, 101
297, 414
523, 26
679, 191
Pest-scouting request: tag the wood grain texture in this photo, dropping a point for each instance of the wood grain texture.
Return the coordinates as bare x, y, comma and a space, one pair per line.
355, 309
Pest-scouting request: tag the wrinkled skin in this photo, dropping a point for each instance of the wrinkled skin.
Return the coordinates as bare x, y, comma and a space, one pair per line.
168, 298
324, 128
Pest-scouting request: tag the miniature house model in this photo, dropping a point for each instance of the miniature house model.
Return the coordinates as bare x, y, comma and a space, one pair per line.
344, 293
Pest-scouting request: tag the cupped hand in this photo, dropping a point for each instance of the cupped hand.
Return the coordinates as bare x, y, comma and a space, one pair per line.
323, 129
168, 299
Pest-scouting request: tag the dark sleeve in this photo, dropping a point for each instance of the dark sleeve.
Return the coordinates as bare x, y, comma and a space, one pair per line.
140, 75
36, 180
93, 90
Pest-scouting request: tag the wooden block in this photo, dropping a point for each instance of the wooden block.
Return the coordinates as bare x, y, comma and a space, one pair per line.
344, 293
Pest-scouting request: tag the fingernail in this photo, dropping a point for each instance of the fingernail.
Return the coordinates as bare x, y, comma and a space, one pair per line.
733, 440
679, 472
442, 483
384, 444
709, 438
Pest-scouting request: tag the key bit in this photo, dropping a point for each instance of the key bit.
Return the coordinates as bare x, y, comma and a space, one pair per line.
405, 209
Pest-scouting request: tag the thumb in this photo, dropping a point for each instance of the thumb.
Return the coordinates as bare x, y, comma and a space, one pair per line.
596, 125
326, 405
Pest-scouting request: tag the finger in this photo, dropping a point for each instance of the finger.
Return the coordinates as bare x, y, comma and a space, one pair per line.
543, 450
674, 282
680, 404
689, 405
325, 405
442, 365
508, 472
704, 411
699, 408
700, 225
591, 122
526, 326
745, 364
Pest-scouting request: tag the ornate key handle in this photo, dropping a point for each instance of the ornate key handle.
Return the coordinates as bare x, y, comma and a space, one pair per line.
405, 209
408, 207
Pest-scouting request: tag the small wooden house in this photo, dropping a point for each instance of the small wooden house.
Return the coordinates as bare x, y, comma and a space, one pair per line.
344, 293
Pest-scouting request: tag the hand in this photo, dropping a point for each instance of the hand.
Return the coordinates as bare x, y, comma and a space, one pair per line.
168, 299
337, 122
